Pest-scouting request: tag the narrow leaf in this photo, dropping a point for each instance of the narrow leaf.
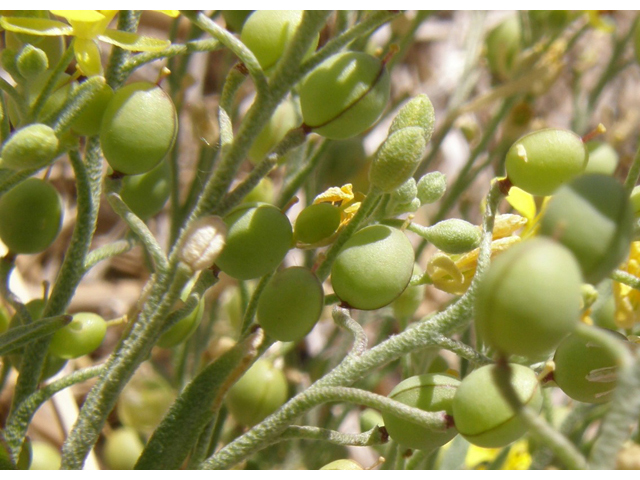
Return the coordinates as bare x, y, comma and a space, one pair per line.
133, 42
18, 337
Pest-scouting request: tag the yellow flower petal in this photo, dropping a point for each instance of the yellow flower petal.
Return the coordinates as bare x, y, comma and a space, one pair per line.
522, 202
88, 57
133, 42
79, 15
508, 224
35, 26
169, 13
335, 195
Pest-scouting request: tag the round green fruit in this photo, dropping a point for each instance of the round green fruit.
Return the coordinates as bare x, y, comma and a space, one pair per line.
44, 456
283, 119
138, 128
343, 464
259, 392
258, 238
541, 161
30, 216
316, 223
33, 146
530, 299
182, 330
235, 19
147, 193
344, 95
122, 449
82, 336
482, 415
429, 392
593, 218
586, 371
602, 158
88, 122
373, 268
290, 304
503, 47
267, 33
406, 305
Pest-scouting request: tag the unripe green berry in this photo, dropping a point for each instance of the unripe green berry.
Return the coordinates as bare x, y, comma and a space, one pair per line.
373, 268
290, 304
235, 19
530, 298
541, 161
259, 392
31, 61
406, 305
183, 329
429, 392
33, 146
122, 448
397, 158
602, 158
283, 119
370, 418
483, 416
316, 223
585, 370
344, 95
593, 218
88, 121
82, 336
503, 47
268, 33
258, 238
454, 236
146, 194
263, 192
343, 464
44, 456
138, 128
431, 187
30, 216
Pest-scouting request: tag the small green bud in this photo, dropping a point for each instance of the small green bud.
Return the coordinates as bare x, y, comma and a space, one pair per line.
31, 61
405, 192
454, 236
370, 418
33, 146
400, 208
398, 158
431, 187
418, 112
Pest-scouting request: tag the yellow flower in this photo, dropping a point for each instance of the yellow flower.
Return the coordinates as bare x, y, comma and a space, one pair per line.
627, 298
518, 458
87, 26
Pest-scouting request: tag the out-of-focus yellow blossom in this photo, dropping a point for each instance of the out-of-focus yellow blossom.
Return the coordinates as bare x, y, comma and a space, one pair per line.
628, 298
87, 26
518, 458
596, 20
454, 273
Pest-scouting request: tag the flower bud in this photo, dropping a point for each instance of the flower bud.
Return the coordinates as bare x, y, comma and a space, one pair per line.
31, 61
405, 192
33, 146
454, 236
431, 187
418, 112
203, 242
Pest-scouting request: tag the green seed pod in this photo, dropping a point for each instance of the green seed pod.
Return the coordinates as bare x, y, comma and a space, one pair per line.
344, 95
397, 158
602, 158
44, 456
235, 19
290, 304
258, 238
31, 61
530, 299
122, 448
541, 161
182, 330
316, 223
454, 236
593, 218
147, 193
33, 146
586, 371
406, 192
259, 392
88, 121
431, 187
343, 464
267, 33
438, 365
263, 192
138, 128
82, 336
418, 112
406, 305
373, 268
503, 47
483, 416
283, 119
30, 216
429, 392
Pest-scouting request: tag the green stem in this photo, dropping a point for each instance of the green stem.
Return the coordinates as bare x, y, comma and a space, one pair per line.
116, 74
634, 173
294, 183
108, 251
252, 307
15, 96
138, 60
375, 436
343, 319
462, 350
